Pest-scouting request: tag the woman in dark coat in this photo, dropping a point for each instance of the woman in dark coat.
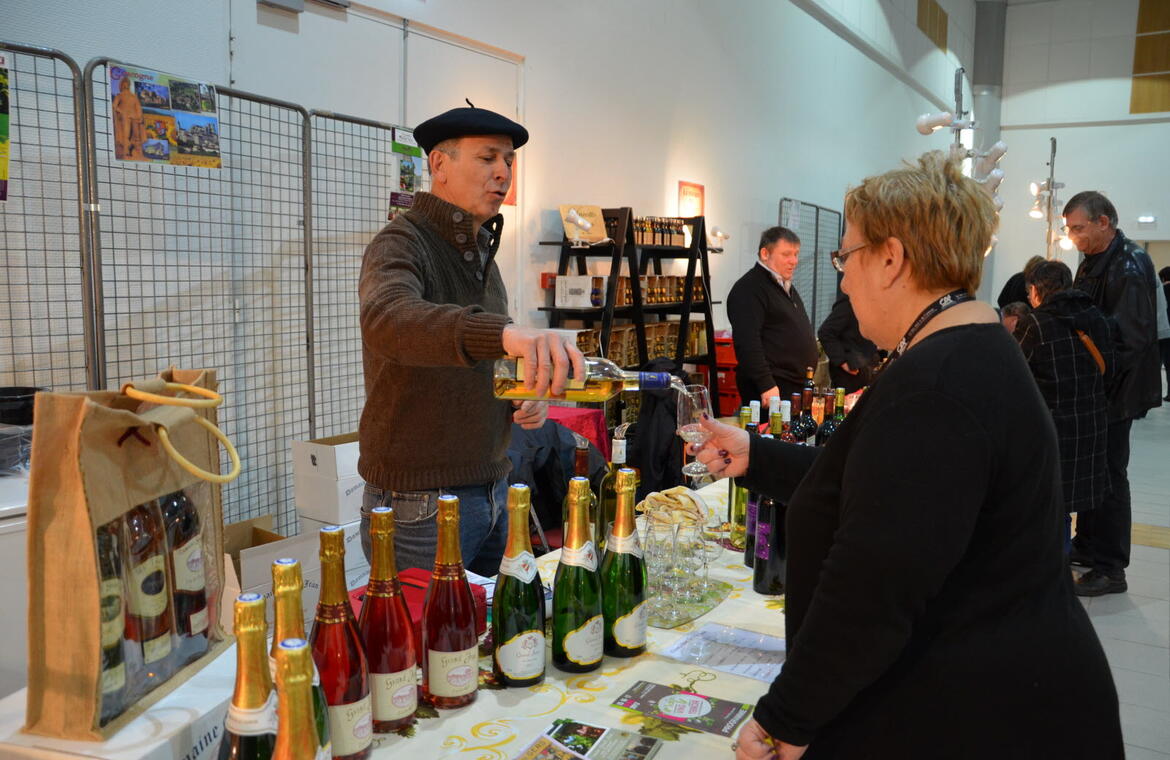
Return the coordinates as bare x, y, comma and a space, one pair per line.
1070, 378
929, 609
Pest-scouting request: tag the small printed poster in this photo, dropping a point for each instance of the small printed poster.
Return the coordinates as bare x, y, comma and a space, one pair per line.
412, 171
710, 714
163, 119
691, 199
569, 739
4, 150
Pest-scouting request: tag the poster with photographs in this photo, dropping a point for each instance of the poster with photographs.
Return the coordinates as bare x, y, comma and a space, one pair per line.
3, 126
162, 119
570, 739
410, 164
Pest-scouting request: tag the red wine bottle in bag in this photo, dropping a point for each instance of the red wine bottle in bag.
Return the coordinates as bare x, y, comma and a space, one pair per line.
189, 585
340, 656
387, 632
148, 623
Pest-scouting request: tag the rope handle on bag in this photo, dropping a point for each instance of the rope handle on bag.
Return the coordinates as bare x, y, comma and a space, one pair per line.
210, 399
165, 439
1093, 350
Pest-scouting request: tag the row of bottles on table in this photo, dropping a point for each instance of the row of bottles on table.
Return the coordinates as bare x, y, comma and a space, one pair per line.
153, 598
763, 543
602, 381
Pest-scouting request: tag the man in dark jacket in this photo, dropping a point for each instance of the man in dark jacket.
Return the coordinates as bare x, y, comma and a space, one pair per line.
1072, 377
1164, 343
774, 341
1119, 277
852, 356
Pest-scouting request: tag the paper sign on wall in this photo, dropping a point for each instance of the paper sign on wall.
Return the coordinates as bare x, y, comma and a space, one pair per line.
160, 118
3, 126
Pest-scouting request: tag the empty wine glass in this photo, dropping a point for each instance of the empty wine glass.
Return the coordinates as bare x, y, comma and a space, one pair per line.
659, 553
692, 406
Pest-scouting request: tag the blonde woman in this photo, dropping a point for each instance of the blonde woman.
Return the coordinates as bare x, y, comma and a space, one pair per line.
930, 612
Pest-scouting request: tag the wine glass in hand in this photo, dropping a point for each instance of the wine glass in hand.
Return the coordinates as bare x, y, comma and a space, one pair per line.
693, 406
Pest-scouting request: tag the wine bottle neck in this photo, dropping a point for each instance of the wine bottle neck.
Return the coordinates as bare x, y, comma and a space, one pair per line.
519, 540
333, 582
297, 735
448, 552
383, 562
253, 680
577, 530
288, 622
623, 523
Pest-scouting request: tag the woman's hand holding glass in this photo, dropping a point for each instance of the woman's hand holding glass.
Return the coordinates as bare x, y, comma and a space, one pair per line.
693, 407
725, 452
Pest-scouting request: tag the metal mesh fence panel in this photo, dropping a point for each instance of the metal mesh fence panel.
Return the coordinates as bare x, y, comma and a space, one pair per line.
354, 171
819, 230
43, 338
206, 268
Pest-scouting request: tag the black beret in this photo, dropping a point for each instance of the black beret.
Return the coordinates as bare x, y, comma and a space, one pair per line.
460, 122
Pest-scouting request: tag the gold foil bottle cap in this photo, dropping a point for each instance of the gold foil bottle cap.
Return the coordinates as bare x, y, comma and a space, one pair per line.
448, 508
627, 479
332, 543
519, 497
293, 662
578, 488
382, 521
250, 615
286, 575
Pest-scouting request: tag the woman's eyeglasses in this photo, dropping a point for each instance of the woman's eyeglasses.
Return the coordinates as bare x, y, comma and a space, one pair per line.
838, 257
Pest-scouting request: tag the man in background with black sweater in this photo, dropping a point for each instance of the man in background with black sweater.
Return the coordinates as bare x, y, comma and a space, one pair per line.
774, 340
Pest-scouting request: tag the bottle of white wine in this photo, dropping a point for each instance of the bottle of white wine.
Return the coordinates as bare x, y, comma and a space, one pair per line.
518, 604
578, 626
607, 493
623, 577
603, 380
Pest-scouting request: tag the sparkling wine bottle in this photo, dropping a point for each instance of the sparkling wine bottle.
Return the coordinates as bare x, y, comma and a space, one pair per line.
250, 728
581, 469
518, 604
149, 602
113, 606
578, 625
289, 623
603, 380
296, 738
749, 536
737, 498
607, 493
340, 657
189, 586
623, 577
449, 644
388, 632
771, 551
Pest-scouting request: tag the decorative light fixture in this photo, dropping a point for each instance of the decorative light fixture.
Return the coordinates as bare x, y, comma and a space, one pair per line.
719, 236
1147, 219
1045, 205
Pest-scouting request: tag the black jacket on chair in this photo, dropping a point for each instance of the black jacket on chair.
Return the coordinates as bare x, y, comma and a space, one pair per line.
1121, 282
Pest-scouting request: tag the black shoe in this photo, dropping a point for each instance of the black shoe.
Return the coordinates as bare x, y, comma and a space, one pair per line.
1079, 558
1099, 583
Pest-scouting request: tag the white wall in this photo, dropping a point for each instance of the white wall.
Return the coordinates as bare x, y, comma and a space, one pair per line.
755, 100
1067, 74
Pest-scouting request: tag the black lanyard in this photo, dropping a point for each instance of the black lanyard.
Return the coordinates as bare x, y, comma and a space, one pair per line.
954, 298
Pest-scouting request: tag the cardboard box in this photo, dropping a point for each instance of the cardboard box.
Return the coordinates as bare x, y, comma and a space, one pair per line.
251, 547
576, 291
334, 458
334, 502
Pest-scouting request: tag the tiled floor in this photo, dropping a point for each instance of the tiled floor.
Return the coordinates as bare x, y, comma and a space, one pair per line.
1135, 627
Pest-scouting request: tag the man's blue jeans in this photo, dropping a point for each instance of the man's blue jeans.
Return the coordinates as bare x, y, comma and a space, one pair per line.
483, 524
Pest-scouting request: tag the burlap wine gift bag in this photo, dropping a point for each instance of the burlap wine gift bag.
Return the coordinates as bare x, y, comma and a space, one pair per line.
125, 550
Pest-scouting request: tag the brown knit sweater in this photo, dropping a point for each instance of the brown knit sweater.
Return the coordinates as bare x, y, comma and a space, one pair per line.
432, 318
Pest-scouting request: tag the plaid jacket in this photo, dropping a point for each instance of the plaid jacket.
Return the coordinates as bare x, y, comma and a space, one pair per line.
1073, 388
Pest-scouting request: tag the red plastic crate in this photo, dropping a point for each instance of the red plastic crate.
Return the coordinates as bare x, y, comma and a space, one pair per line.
725, 352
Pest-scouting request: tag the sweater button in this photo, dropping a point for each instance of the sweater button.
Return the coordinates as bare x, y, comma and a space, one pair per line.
457, 217
469, 255
479, 275
461, 238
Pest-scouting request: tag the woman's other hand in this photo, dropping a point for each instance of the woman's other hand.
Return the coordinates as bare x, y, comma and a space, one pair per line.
726, 452
754, 743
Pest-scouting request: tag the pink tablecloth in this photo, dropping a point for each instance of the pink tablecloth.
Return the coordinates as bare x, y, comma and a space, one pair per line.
588, 422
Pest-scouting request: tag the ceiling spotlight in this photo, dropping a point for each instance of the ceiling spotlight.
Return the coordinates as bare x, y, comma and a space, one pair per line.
719, 234
1147, 219
927, 123
1035, 188
1037, 211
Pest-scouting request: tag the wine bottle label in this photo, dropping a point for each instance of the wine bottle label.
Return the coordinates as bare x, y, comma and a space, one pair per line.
763, 530
188, 560
114, 678
148, 588
156, 649
522, 656
572, 383
113, 621
585, 557
522, 566
453, 674
753, 508
630, 630
619, 451
395, 694
197, 621
252, 722
586, 644
653, 380
624, 544
351, 726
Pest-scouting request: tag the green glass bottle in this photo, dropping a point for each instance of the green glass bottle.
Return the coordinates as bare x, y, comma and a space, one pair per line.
737, 497
578, 625
288, 622
250, 728
623, 577
518, 604
607, 493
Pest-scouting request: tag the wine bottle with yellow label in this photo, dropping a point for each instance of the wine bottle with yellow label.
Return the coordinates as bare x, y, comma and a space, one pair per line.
602, 381
113, 609
518, 604
578, 625
189, 585
623, 577
148, 623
